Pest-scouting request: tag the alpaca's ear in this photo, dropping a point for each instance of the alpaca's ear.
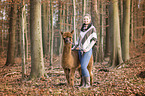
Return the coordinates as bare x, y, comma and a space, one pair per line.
61, 33
72, 32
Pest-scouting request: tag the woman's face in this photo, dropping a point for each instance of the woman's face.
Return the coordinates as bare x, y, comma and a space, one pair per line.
86, 20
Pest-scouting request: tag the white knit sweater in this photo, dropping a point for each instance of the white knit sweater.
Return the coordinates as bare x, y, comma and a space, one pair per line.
87, 39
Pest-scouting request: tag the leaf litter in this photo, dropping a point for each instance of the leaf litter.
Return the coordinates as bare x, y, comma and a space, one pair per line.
127, 79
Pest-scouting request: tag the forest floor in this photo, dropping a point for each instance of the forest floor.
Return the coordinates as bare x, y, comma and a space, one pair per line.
127, 79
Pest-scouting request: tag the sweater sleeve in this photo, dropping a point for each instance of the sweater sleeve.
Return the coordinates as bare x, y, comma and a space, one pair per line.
90, 45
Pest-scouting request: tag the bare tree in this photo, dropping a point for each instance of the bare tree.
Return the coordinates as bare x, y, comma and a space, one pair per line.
52, 33
60, 24
107, 44
67, 11
95, 21
12, 30
132, 19
83, 7
44, 29
74, 19
37, 63
101, 52
116, 56
110, 29
23, 28
126, 30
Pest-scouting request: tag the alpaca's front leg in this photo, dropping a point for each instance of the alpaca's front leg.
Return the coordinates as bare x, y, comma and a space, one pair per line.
67, 72
71, 79
80, 72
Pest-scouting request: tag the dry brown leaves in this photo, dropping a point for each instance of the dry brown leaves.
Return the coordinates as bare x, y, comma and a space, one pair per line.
128, 79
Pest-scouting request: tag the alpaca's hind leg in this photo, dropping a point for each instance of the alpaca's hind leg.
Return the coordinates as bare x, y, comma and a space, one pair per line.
71, 79
91, 75
67, 71
90, 65
91, 78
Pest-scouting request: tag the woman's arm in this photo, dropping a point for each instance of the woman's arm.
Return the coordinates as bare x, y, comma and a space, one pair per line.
89, 46
76, 45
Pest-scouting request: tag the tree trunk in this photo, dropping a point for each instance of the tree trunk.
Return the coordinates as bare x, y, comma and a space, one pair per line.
49, 29
107, 48
135, 22
12, 30
101, 52
60, 25
52, 34
26, 40
67, 11
121, 15
116, 57
45, 30
126, 30
132, 24
95, 21
74, 19
63, 15
1, 35
144, 17
110, 29
83, 7
37, 63
18, 35
23, 38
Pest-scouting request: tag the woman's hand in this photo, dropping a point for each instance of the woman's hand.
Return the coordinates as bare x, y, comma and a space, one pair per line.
85, 50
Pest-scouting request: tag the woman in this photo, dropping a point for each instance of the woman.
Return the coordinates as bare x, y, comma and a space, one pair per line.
85, 42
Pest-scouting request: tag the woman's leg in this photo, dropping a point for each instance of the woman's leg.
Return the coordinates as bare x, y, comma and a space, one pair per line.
80, 55
85, 58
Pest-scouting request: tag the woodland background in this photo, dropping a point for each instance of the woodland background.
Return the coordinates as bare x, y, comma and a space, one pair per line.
31, 46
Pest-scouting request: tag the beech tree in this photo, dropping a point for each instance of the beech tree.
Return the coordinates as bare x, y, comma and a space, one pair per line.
83, 7
60, 23
52, 33
95, 21
116, 56
37, 63
126, 30
108, 33
74, 19
12, 30
101, 51
23, 28
44, 29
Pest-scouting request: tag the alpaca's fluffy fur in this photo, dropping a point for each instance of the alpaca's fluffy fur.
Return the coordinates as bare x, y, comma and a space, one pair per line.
70, 60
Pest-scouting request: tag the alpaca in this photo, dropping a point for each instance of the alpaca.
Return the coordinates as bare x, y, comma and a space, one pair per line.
70, 60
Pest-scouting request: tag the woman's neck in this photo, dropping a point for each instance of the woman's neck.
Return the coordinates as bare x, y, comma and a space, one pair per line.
85, 26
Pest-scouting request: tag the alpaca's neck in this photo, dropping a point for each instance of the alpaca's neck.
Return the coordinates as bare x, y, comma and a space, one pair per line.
67, 50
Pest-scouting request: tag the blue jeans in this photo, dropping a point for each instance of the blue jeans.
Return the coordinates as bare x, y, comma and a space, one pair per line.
84, 60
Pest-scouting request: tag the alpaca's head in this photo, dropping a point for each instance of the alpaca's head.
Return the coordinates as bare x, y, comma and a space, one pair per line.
67, 37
